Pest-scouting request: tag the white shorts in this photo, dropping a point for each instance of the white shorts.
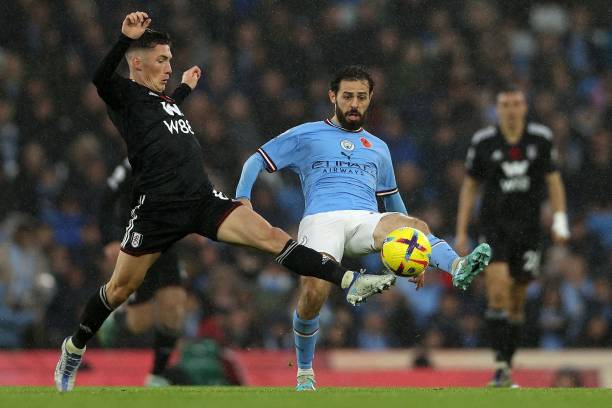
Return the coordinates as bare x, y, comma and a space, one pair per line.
340, 233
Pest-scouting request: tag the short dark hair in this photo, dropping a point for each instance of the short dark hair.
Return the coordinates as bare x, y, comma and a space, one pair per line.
351, 73
150, 38
507, 87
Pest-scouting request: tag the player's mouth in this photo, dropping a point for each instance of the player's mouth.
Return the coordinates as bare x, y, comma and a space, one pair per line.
353, 115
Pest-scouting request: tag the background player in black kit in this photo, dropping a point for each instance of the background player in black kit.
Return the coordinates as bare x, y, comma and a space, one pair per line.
172, 194
513, 162
160, 302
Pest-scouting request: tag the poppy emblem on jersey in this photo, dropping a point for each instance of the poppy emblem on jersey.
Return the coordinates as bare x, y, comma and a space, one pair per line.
136, 239
347, 145
365, 142
515, 153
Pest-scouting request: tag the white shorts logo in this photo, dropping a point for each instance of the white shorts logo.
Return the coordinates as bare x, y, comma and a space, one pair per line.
136, 239
220, 195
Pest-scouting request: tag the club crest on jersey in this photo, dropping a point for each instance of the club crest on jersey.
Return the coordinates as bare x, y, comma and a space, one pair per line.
532, 152
347, 145
497, 155
136, 239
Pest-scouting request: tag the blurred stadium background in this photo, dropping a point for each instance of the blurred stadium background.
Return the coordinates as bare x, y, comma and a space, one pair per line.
266, 68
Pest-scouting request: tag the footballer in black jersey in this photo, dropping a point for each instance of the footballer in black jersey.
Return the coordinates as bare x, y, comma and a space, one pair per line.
513, 164
159, 303
172, 194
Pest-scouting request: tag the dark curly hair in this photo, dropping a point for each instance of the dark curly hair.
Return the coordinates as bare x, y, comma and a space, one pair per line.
351, 73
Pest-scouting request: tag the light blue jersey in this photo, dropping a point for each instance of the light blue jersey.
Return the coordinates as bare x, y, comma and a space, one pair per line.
339, 169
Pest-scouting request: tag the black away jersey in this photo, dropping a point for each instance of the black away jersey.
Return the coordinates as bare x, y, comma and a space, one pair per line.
165, 156
513, 176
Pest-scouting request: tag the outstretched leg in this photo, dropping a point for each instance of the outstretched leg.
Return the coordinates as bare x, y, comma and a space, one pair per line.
462, 269
244, 226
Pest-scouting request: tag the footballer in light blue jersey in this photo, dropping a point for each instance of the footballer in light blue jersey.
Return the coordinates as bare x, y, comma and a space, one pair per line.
339, 169
342, 169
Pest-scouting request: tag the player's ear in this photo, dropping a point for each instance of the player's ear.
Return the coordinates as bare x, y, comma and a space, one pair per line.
332, 96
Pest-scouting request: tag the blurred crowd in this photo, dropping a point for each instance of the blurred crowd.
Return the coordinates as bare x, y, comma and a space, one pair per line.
266, 68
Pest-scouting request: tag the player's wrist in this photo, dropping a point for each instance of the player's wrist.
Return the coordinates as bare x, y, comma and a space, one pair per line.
560, 225
125, 38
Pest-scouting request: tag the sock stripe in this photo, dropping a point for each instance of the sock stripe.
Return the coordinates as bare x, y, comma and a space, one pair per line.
301, 334
283, 255
103, 297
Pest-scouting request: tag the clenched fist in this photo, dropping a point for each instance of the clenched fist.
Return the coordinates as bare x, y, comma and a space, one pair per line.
135, 24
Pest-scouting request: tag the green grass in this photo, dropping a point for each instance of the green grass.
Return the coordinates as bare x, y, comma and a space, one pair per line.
204, 397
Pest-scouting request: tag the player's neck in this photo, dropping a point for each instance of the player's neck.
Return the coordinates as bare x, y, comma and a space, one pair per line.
512, 134
143, 82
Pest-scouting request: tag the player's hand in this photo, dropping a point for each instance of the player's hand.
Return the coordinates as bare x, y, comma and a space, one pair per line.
462, 244
111, 251
135, 24
246, 202
192, 76
419, 281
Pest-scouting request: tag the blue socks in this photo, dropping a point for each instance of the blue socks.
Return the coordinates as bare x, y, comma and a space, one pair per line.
305, 335
442, 255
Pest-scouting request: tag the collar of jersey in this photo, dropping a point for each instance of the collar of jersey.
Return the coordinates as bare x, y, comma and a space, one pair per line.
330, 123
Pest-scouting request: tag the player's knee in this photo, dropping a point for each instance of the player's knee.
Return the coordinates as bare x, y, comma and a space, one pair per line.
117, 294
421, 226
311, 300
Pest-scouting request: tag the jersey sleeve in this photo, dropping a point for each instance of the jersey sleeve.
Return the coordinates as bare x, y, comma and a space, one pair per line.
117, 188
386, 184
282, 151
474, 163
549, 157
180, 93
111, 86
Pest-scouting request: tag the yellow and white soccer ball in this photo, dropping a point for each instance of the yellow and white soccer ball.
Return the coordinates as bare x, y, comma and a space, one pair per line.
406, 252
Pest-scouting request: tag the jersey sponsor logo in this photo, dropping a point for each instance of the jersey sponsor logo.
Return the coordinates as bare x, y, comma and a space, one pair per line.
365, 142
347, 145
136, 239
515, 168
171, 109
346, 167
178, 126
517, 179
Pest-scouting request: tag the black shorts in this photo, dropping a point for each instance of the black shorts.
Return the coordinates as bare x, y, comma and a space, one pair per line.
165, 272
520, 248
154, 226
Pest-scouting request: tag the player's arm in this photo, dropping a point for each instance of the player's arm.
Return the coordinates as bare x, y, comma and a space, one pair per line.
105, 79
250, 171
556, 195
394, 203
188, 83
467, 198
111, 229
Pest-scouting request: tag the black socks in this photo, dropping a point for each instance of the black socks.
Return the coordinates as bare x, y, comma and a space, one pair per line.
95, 313
308, 262
499, 333
163, 344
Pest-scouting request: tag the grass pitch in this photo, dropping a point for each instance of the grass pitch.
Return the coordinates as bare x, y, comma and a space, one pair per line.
244, 397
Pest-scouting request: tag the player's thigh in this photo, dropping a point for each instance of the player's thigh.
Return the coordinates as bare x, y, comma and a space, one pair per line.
498, 284
518, 296
244, 226
127, 276
325, 233
392, 221
140, 317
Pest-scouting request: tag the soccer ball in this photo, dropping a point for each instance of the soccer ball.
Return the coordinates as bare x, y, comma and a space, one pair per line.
406, 252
